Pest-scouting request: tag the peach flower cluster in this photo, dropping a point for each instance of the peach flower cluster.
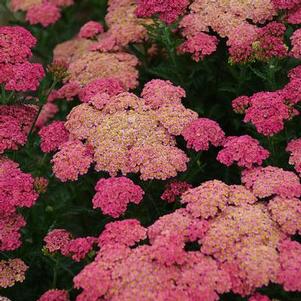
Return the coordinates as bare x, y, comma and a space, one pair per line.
44, 12
127, 134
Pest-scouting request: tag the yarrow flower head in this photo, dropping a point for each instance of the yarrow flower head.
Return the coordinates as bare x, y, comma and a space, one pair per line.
60, 240
244, 150
259, 297
294, 148
55, 295
168, 11
267, 111
287, 213
96, 65
53, 136
128, 135
150, 270
200, 46
99, 91
127, 232
240, 104
45, 13
12, 271
10, 226
201, 132
17, 74
73, 159
16, 187
114, 194
90, 30
174, 189
290, 265
269, 181
158, 93
296, 40
16, 43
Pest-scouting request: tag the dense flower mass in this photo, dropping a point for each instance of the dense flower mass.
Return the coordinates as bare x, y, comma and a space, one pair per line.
114, 194
244, 150
110, 188
158, 93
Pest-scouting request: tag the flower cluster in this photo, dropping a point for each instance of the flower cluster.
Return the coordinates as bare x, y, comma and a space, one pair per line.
244, 150
201, 132
55, 295
168, 11
174, 189
114, 194
127, 133
200, 45
12, 271
73, 159
39, 11
294, 148
53, 136
270, 180
15, 124
17, 73
16, 190
229, 19
267, 111
59, 240
125, 273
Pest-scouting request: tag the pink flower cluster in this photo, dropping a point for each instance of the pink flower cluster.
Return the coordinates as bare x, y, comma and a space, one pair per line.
200, 46
55, 295
201, 132
53, 136
16, 72
267, 111
269, 181
229, 19
294, 148
44, 12
73, 159
174, 189
244, 150
114, 194
125, 273
290, 272
90, 30
168, 11
16, 190
59, 240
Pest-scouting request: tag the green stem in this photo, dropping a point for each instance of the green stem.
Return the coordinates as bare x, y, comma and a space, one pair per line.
54, 279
